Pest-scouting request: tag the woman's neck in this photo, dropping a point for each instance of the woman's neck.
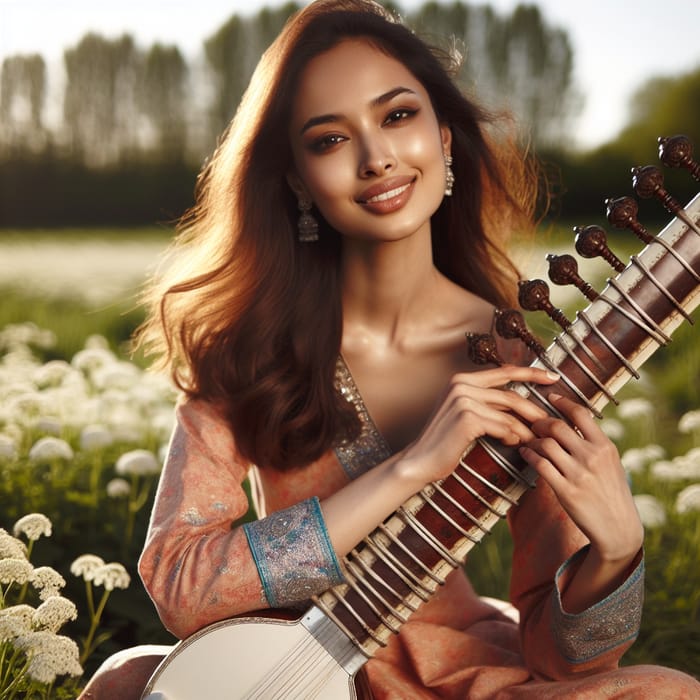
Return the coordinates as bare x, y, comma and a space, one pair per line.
389, 290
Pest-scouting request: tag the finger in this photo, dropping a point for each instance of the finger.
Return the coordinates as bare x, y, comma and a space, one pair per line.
544, 467
504, 374
482, 419
579, 416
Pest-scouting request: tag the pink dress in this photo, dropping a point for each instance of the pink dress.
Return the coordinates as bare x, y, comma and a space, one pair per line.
198, 570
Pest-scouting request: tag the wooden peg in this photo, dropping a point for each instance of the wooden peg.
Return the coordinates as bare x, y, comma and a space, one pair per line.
622, 214
533, 295
592, 241
563, 269
510, 324
677, 152
648, 182
482, 349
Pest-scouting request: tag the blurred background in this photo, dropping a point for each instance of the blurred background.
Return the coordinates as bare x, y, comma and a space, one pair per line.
107, 112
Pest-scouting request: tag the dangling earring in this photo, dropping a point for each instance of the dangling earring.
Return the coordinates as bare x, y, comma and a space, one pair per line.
307, 224
449, 175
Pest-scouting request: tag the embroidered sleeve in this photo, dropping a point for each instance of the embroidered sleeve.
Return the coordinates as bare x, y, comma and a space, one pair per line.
293, 553
605, 625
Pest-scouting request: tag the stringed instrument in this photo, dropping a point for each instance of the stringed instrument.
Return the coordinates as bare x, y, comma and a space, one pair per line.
399, 566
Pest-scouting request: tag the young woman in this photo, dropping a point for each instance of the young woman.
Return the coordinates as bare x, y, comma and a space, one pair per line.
348, 233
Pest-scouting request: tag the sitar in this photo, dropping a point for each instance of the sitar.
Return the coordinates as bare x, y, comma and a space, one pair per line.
399, 566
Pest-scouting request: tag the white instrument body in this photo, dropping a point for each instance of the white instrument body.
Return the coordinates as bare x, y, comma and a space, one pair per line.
260, 658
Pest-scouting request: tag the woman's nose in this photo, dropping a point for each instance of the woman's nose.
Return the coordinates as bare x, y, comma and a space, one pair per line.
376, 156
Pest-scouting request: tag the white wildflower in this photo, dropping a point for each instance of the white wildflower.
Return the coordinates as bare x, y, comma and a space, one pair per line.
15, 621
635, 408
116, 375
96, 341
48, 449
49, 655
689, 463
137, 462
689, 422
54, 612
86, 565
8, 448
651, 510
612, 428
652, 452
688, 499
111, 576
90, 359
11, 547
32, 526
47, 581
15, 570
118, 488
49, 424
633, 460
666, 470
95, 437
51, 373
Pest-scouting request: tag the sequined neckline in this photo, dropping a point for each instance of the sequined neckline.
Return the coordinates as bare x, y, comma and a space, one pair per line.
369, 448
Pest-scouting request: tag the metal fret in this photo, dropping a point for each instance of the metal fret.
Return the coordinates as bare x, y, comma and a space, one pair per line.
660, 287
486, 482
507, 467
445, 516
359, 577
438, 487
343, 601
353, 583
473, 492
586, 371
428, 536
656, 333
608, 344
395, 539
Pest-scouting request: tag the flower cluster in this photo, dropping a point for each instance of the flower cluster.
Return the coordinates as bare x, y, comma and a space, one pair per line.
33, 655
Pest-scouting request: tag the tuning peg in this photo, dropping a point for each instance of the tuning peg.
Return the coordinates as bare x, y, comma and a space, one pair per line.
482, 349
622, 214
648, 182
510, 324
677, 152
563, 269
533, 295
592, 241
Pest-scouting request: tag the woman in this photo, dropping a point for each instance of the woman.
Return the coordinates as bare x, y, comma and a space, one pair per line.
346, 237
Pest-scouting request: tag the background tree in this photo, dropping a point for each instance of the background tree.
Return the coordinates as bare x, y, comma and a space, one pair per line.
100, 113
162, 98
22, 97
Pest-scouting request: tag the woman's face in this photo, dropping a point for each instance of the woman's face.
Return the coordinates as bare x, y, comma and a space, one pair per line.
368, 149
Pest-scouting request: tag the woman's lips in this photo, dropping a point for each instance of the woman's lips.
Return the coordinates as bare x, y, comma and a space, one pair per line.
387, 196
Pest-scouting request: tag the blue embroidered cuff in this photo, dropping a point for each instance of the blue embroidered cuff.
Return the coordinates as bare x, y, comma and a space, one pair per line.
607, 624
293, 554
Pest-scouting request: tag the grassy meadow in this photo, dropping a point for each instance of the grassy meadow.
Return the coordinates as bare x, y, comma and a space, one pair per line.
83, 428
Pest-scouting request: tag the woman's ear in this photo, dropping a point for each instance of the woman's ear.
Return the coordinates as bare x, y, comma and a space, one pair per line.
296, 185
446, 138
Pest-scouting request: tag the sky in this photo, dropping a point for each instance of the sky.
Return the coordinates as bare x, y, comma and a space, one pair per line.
616, 49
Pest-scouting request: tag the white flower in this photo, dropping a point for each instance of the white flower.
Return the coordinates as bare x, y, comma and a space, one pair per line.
635, 408
48, 424
689, 422
688, 499
116, 375
666, 470
95, 437
47, 581
32, 526
49, 655
15, 621
633, 460
51, 373
8, 447
48, 449
15, 570
118, 488
612, 428
651, 510
90, 359
111, 576
138, 462
11, 547
53, 613
96, 341
653, 451
86, 565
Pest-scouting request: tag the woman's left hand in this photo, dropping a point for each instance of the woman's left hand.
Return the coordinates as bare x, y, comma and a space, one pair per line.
583, 468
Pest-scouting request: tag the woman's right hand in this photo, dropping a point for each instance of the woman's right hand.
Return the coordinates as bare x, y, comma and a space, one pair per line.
475, 404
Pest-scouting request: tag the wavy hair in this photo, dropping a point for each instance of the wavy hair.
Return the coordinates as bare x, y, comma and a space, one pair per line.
249, 319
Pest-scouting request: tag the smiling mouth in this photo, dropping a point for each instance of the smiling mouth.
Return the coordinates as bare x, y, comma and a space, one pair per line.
384, 196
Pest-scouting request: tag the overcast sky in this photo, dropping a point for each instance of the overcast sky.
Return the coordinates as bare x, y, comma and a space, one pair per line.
615, 48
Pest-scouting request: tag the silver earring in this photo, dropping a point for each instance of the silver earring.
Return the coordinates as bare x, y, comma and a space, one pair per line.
449, 175
307, 224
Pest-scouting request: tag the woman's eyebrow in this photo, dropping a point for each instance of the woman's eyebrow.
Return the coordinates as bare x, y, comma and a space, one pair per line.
376, 102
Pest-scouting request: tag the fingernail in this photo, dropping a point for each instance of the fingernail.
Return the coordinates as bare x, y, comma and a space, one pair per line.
552, 375
553, 396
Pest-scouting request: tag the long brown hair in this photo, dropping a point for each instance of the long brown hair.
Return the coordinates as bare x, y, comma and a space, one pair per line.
250, 319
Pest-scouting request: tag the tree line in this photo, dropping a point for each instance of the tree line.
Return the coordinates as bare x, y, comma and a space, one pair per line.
134, 123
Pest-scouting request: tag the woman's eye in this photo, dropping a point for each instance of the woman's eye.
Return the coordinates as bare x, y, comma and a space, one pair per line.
325, 143
398, 115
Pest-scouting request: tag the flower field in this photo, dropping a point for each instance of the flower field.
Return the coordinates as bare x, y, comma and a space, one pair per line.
83, 429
